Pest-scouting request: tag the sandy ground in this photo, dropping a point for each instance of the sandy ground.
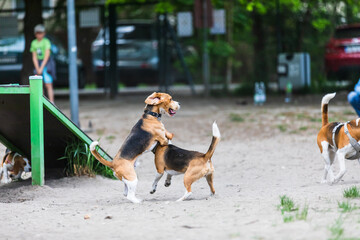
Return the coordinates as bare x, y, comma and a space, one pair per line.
265, 152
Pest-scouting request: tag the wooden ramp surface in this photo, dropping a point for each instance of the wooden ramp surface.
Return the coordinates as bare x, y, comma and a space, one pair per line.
58, 129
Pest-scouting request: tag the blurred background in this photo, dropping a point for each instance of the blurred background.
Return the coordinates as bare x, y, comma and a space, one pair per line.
221, 46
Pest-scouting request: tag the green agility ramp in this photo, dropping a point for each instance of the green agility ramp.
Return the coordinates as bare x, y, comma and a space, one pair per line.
32, 126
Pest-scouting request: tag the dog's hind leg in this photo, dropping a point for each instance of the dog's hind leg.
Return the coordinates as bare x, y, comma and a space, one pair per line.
168, 180
6, 178
328, 157
125, 190
131, 186
209, 179
157, 178
341, 159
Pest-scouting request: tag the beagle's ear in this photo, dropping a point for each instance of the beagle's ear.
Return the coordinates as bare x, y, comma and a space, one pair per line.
153, 99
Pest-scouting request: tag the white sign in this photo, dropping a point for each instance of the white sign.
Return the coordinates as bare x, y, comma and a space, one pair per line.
90, 18
184, 24
219, 22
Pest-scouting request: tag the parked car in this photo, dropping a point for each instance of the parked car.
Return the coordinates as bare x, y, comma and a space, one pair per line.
11, 55
342, 57
137, 54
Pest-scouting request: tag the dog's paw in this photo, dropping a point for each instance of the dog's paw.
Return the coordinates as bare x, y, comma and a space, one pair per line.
323, 181
6, 180
134, 199
167, 184
152, 191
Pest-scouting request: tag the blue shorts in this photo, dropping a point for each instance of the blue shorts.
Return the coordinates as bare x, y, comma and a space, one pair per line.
46, 76
49, 68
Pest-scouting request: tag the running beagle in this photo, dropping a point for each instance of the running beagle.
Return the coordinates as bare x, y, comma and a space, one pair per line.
194, 165
15, 164
337, 140
144, 135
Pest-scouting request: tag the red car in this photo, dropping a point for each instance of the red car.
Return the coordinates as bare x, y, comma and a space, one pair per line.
342, 57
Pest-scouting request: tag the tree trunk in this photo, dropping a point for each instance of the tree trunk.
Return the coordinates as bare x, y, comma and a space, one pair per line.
229, 6
260, 66
33, 16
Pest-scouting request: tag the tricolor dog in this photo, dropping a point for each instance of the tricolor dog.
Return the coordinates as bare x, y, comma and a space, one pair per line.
144, 135
194, 165
337, 140
15, 164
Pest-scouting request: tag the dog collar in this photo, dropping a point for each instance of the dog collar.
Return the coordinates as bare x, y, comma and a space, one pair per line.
154, 114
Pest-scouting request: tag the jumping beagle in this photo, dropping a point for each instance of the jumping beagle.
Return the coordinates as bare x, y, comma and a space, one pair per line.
15, 164
337, 140
194, 165
144, 135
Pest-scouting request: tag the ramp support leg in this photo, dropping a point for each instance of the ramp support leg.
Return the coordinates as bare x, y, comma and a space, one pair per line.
37, 130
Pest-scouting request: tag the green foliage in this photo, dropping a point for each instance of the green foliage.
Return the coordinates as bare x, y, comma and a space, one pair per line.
303, 214
220, 49
81, 162
164, 7
306, 26
352, 192
245, 89
286, 204
290, 212
234, 117
320, 24
346, 207
337, 229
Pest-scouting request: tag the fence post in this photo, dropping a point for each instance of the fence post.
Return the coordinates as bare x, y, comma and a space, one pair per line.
37, 130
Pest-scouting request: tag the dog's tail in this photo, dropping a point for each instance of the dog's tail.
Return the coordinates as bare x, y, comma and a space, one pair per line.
215, 140
98, 156
324, 107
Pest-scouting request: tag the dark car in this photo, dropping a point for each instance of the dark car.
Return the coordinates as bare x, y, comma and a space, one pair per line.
342, 57
11, 55
137, 54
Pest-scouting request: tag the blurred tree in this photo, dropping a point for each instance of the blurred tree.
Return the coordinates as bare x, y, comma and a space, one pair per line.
251, 41
33, 16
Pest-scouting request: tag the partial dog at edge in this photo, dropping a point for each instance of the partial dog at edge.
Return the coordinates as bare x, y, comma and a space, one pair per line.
144, 135
15, 164
194, 165
335, 143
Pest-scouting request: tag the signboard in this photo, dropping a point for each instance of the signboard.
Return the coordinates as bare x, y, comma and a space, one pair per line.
219, 26
90, 18
184, 24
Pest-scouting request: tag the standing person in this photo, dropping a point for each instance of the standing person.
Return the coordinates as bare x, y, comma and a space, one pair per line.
354, 98
40, 48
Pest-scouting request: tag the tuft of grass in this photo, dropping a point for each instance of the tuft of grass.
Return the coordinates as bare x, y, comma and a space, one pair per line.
288, 218
282, 128
286, 204
234, 117
313, 119
80, 161
303, 128
303, 214
290, 212
100, 131
336, 229
110, 138
352, 192
302, 116
346, 207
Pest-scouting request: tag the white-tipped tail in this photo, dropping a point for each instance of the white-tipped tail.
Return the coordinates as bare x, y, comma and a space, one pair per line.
93, 145
327, 98
215, 130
